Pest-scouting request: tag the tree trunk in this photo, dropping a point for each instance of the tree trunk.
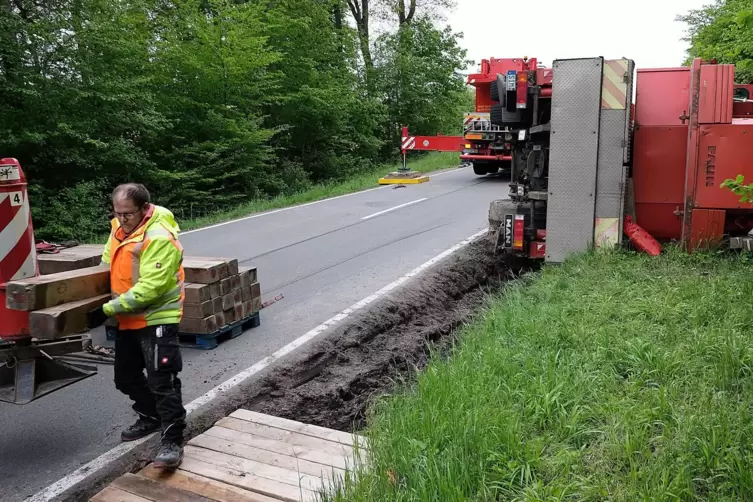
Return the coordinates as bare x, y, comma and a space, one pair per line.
406, 17
360, 11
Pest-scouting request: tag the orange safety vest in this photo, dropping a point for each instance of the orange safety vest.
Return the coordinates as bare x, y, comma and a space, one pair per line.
146, 272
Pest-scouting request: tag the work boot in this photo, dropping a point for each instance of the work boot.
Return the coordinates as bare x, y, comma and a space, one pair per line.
169, 455
143, 427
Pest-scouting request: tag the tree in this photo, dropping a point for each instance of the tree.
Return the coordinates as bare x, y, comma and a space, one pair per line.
723, 31
417, 70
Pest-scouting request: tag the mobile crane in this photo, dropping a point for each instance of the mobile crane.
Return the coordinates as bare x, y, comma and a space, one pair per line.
585, 160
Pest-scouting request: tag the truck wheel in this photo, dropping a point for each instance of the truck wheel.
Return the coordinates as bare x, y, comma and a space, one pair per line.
495, 91
479, 170
495, 115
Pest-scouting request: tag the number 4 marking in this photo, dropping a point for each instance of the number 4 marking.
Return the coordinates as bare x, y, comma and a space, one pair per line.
16, 198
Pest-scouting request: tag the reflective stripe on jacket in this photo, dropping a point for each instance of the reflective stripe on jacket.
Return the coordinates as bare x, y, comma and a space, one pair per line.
146, 272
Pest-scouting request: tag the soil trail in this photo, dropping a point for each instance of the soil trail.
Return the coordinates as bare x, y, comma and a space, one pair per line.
332, 382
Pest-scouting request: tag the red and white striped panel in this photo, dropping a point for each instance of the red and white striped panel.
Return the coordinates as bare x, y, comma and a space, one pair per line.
409, 143
18, 258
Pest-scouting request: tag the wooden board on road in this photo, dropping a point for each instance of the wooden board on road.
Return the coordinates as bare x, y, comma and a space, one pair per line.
247, 457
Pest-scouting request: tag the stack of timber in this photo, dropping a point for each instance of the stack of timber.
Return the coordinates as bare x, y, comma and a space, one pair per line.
222, 301
58, 303
249, 457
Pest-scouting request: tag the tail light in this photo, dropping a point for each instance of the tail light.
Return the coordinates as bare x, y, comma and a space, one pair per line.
518, 231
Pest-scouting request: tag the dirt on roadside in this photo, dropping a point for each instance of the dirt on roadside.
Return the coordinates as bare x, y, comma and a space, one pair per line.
332, 383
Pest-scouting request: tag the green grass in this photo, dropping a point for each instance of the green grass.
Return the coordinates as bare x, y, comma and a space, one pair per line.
614, 377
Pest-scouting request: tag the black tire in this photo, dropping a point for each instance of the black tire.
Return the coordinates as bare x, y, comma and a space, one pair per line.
501, 82
501, 117
495, 91
479, 170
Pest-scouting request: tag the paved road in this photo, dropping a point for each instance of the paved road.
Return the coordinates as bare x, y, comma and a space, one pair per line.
323, 257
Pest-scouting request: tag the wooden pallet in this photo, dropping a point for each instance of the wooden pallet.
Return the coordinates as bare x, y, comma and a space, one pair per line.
247, 457
212, 340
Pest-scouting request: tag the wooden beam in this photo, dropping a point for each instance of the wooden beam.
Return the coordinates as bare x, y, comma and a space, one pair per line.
66, 319
155, 491
46, 291
77, 257
214, 490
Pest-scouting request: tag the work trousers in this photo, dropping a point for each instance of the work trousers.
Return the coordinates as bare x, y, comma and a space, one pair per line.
158, 395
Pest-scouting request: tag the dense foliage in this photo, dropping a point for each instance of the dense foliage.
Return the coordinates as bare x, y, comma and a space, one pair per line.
723, 31
210, 103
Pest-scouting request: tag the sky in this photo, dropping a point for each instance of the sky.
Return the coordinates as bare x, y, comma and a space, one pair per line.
642, 30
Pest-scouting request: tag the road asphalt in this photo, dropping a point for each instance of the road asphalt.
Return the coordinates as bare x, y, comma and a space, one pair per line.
323, 257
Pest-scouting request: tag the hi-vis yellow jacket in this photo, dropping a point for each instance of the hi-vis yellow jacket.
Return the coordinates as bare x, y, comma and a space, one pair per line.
146, 272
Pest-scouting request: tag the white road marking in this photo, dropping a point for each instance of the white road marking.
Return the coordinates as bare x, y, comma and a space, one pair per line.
274, 211
393, 208
116, 453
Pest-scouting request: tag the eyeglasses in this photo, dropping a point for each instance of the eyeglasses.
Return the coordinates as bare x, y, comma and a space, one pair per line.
126, 216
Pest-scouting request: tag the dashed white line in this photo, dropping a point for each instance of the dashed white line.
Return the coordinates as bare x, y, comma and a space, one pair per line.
274, 211
116, 453
393, 208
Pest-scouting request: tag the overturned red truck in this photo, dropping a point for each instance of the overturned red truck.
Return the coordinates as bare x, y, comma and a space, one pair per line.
583, 159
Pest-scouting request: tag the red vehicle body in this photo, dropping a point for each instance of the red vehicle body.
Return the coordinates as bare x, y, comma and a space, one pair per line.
693, 130
689, 130
484, 145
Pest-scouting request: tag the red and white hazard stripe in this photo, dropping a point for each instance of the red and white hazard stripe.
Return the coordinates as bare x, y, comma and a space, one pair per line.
18, 258
409, 142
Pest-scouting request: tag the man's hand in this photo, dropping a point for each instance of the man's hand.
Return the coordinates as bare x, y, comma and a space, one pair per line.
96, 317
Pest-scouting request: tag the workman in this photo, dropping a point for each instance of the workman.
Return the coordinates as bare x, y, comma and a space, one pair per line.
146, 281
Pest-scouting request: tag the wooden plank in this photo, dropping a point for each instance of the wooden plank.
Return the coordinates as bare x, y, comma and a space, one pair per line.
333, 457
154, 490
198, 310
197, 293
228, 301
226, 286
199, 326
214, 289
232, 263
217, 305
112, 494
204, 271
298, 427
219, 318
248, 481
248, 308
246, 294
238, 311
266, 432
236, 280
210, 488
249, 275
46, 291
229, 315
288, 462
291, 478
65, 319
256, 305
83, 256
256, 290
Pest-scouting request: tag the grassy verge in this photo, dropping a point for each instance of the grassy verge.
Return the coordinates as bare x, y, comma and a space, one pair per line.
426, 164
614, 377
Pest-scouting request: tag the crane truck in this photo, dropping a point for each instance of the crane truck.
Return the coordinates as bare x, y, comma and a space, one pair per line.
587, 164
